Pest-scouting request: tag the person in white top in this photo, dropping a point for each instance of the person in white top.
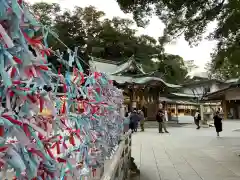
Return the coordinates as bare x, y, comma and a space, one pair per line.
197, 119
166, 115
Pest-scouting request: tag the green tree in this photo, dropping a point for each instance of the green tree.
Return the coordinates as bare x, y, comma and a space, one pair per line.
224, 72
45, 12
173, 68
76, 28
191, 18
112, 39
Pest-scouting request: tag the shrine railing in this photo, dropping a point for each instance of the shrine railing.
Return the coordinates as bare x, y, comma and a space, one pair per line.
118, 167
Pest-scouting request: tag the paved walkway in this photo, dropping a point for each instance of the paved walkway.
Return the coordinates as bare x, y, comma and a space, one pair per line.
188, 154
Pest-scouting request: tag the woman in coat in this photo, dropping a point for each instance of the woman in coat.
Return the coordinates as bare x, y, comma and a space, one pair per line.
134, 119
218, 123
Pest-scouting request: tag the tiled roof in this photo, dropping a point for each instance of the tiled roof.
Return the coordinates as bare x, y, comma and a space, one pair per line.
142, 80
184, 95
112, 68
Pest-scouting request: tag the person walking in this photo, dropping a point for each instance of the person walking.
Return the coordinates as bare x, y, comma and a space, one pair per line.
197, 119
160, 117
142, 119
134, 119
217, 123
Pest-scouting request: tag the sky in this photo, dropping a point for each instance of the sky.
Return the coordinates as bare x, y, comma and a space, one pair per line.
200, 54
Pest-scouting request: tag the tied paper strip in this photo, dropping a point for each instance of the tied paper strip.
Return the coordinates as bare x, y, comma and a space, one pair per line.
80, 129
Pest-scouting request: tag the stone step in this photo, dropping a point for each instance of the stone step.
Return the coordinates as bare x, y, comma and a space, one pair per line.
154, 124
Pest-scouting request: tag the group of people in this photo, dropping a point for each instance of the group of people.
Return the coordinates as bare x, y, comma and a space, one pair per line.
135, 117
216, 117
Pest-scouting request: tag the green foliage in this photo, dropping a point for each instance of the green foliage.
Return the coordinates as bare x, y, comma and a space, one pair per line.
112, 39
191, 18
224, 72
173, 67
45, 12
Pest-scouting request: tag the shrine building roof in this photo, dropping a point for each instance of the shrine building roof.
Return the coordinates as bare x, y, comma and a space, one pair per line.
117, 72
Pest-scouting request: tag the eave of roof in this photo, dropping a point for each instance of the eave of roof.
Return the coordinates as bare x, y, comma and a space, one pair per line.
112, 68
103, 67
184, 95
165, 99
141, 81
235, 80
193, 82
144, 80
218, 95
126, 66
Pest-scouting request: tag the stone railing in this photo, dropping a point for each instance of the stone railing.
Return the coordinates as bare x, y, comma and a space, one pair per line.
118, 167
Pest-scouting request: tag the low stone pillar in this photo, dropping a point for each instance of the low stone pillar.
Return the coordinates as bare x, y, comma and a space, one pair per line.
204, 121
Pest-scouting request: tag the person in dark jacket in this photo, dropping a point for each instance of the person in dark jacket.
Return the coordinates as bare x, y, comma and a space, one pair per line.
160, 117
134, 119
217, 123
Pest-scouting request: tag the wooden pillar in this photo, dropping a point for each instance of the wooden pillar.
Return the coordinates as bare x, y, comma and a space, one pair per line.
145, 96
156, 98
224, 106
134, 99
142, 99
145, 102
176, 111
139, 98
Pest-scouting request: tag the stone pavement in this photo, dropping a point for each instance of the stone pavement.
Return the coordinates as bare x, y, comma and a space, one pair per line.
188, 154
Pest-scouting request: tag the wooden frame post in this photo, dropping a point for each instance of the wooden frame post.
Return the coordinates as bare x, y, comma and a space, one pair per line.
134, 99
224, 106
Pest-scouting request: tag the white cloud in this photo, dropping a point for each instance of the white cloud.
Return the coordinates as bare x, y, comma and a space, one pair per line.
200, 54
